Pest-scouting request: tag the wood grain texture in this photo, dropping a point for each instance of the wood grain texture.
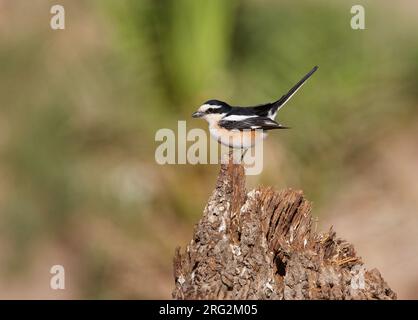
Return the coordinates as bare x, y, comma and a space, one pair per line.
260, 245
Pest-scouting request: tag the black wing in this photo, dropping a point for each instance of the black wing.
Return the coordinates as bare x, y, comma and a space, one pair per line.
253, 123
261, 110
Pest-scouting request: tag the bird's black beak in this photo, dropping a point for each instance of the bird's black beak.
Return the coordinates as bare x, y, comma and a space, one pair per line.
198, 114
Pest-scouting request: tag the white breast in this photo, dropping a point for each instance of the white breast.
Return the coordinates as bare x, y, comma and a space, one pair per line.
236, 138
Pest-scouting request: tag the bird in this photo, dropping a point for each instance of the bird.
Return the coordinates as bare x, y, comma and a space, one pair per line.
242, 127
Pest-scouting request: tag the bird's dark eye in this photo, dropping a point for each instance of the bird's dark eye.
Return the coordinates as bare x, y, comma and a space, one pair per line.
210, 110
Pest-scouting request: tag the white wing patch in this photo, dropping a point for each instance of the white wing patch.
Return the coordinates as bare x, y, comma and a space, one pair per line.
272, 115
238, 117
205, 107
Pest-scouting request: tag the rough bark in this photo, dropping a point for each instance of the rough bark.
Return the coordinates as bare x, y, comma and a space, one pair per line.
260, 245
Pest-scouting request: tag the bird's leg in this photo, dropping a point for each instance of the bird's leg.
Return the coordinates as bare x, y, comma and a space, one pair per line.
243, 154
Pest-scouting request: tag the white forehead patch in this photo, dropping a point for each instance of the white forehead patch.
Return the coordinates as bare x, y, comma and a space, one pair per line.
205, 107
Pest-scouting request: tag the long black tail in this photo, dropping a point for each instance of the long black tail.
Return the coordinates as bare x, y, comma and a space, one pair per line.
281, 102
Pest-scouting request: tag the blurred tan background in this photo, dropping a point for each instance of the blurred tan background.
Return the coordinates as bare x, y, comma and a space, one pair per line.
79, 109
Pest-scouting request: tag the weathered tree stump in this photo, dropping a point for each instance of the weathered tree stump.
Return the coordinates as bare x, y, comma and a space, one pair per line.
260, 245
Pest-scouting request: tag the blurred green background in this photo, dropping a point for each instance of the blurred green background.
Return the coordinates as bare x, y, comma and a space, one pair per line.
79, 109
